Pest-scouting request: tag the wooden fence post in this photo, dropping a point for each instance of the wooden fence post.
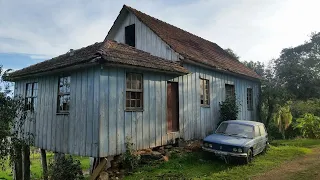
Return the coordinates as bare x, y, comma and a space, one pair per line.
26, 162
44, 164
18, 163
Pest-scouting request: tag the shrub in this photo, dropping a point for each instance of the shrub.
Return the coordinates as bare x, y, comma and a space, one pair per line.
229, 109
309, 125
130, 159
65, 167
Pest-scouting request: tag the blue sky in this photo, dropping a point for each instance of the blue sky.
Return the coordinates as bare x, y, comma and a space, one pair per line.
35, 30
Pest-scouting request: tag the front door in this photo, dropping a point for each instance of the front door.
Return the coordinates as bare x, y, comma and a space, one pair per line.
172, 107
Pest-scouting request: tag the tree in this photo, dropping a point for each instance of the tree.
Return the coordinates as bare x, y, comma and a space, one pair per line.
299, 68
257, 67
12, 137
283, 118
232, 54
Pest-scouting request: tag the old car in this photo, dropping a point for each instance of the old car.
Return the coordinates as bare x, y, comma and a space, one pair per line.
237, 138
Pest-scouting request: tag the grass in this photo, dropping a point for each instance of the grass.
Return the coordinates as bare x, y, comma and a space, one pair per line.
196, 166
36, 167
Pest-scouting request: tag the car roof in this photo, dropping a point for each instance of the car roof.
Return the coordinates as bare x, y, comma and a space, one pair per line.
245, 122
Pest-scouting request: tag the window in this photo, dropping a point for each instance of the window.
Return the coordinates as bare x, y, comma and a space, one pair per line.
130, 33
134, 91
256, 131
249, 99
64, 94
204, 92
262, 130
230, 91
235, 129
31, 96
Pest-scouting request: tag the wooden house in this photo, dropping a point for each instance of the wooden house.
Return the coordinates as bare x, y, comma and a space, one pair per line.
147, 80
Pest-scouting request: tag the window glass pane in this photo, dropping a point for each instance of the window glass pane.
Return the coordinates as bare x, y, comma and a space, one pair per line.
127, 103
138, 103
133, 103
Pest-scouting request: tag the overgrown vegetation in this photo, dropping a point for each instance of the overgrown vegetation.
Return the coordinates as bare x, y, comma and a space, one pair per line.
229, 109
196, 165
130, 158
309, 126
65, 167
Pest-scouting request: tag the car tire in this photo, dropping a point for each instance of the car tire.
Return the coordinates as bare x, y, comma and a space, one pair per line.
249, 157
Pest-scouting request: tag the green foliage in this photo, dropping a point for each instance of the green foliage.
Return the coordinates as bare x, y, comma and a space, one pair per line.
309, 126
130, 159
299, 107
283, 118
192, 166
299, 68
257, 67
232, 54
229, 109
65, 167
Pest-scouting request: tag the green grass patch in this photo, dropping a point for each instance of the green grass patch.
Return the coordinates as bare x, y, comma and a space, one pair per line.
308, 143
312, 173
36, 167
196, 166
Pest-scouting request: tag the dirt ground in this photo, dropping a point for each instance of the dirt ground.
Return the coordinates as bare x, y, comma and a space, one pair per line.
307, 167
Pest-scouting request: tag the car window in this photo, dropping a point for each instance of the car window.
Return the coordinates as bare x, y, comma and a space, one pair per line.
235, 130
262, 130
256, 131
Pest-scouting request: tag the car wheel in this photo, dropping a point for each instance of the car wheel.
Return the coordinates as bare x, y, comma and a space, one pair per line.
249, 157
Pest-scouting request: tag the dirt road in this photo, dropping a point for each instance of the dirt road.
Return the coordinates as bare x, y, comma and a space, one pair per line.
307, 168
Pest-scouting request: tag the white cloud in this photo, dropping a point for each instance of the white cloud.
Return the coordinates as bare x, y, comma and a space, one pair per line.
255, 29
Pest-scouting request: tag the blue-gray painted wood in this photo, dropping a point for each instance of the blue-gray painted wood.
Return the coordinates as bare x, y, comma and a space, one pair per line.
146, 39
75, 133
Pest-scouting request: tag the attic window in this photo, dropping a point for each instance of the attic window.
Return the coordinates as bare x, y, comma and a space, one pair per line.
130, 35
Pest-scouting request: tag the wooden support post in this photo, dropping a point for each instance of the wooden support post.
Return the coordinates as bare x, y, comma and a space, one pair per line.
18, 163
99, 169
26, 162
44, 164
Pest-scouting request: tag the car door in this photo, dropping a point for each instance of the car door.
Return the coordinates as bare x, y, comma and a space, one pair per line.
264, 136
257, 148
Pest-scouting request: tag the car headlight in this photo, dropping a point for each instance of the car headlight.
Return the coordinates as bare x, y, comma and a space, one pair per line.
234, 149
210, 145
240, 150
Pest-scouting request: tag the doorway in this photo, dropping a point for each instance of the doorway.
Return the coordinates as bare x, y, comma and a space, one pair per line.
172, 107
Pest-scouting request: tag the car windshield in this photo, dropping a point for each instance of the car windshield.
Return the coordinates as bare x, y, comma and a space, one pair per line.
233, 129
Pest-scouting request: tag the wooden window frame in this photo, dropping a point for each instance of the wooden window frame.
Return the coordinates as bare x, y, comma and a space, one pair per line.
62, 94
250, 99
205, 92
126, 38
33, 96
130, 91
233, 92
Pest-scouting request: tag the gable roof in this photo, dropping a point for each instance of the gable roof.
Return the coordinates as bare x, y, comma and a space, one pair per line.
108, 52
192, 47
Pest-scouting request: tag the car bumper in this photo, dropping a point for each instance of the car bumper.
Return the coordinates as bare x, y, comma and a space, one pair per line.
223, 153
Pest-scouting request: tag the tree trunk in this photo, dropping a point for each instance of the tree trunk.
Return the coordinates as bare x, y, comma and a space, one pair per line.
44, 164
18, 163
26, 162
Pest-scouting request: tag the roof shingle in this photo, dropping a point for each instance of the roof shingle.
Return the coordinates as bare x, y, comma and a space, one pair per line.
193, 47
111, 52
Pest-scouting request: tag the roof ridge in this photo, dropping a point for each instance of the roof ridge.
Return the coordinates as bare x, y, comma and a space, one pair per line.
213, 43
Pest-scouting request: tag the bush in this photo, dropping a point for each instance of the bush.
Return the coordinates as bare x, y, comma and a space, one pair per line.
273, 132
309, 126
229, 109
130, 159
65, 167
299, 108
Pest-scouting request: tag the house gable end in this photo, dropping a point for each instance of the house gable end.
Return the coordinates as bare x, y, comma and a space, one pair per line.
145, 39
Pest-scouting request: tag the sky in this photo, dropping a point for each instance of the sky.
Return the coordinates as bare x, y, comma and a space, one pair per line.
35, 30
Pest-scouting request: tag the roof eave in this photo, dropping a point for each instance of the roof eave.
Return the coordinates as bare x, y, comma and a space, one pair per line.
188, 61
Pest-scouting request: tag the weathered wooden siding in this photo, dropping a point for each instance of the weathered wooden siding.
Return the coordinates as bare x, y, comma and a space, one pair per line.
146, 39
74, 133
197, 121
148, 128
